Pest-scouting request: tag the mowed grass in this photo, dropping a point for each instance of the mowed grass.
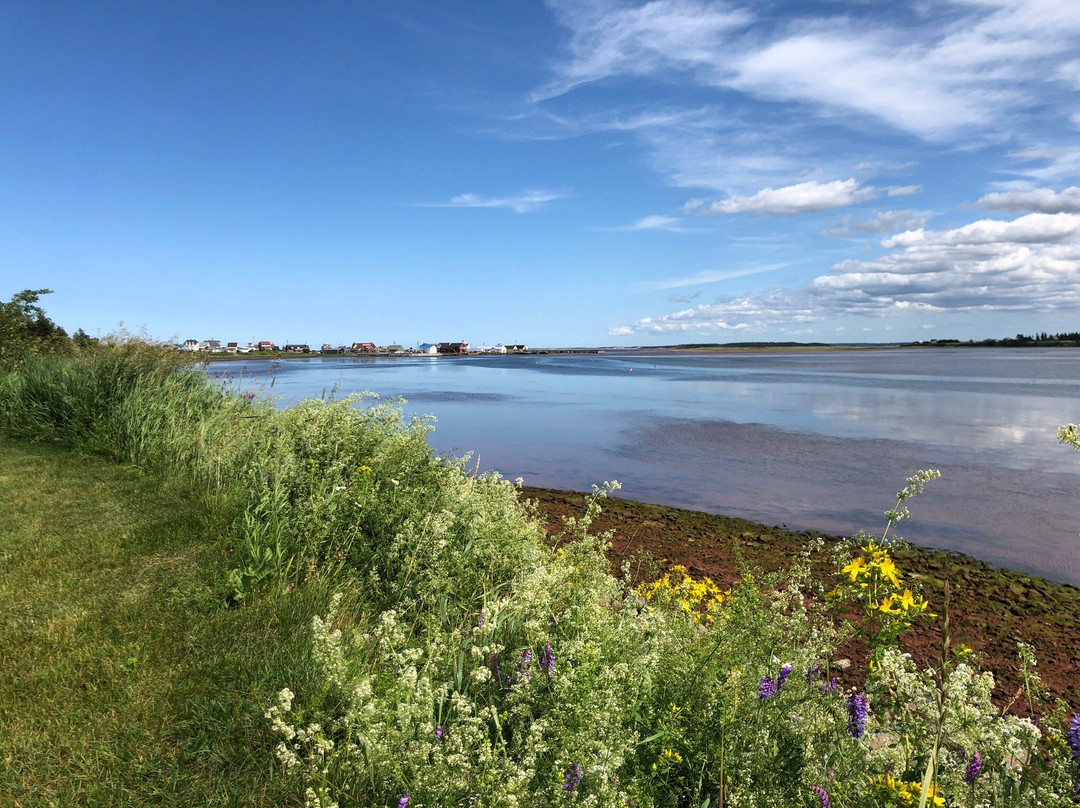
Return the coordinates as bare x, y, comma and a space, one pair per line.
125, 677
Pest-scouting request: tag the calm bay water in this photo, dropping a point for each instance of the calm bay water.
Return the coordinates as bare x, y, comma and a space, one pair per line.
810, 440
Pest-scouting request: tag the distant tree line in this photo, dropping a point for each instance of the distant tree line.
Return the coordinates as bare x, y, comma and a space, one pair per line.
1041, 338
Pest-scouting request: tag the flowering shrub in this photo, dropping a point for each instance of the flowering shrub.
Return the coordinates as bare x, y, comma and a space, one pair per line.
555, 683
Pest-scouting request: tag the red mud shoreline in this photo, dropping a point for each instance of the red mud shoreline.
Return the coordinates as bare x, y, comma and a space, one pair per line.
990, 609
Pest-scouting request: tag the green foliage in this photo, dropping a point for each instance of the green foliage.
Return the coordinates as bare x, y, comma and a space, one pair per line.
24, 329
127, 680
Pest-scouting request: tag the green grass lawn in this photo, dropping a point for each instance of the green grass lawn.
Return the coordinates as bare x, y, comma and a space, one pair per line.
125, 677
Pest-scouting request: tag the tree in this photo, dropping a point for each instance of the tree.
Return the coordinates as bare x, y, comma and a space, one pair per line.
24, 328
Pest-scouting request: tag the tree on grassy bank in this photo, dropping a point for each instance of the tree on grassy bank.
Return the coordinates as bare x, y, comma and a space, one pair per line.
24, 328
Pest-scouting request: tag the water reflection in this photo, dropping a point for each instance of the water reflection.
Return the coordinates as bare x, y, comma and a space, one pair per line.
812, 440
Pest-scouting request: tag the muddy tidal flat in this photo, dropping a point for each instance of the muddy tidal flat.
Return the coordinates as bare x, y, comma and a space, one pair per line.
990, 609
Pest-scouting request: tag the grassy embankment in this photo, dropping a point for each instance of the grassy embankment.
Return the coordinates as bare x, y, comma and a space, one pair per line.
125, 678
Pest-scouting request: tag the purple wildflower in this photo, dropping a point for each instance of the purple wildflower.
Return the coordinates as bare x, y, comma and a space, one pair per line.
250, 395
813, 673
831, 685
481, 623
857, 709
823, 795
573, 778
547, 660
404, 801
1073, 736
785, 672
973, 768
766, 688
524, 661
438, 732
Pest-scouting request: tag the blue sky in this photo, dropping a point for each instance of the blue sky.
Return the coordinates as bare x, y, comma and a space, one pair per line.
575, 173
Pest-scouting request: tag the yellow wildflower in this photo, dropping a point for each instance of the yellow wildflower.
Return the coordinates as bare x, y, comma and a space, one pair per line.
887, 607
889, 571
856, 568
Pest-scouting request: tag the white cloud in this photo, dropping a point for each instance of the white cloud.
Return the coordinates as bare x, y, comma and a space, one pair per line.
791, 200
609, 40
1057, 163
684, 298
931, 73
1028, 264
707, 276
670, 224
905, 190
888, 221
733, 96
1040, 200
522, 203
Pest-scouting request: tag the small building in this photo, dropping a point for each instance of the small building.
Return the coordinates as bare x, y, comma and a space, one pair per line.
191, 345
266, 345
395, 349
490, 349
428, 349
364, 347
454, 348
517, 348
297, 348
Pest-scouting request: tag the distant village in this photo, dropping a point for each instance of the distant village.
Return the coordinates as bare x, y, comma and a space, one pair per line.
214, 346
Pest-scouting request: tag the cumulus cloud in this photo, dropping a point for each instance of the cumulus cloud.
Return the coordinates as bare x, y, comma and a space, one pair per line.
1039, 200
1029, 264
888, 221
522, 203
791, 200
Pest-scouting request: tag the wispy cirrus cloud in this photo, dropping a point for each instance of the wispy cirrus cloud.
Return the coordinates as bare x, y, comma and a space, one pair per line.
791, 200
525, 202
1029, 264
927, 70
671, 224
776, 88
1048, 164
1039, 200
707, 276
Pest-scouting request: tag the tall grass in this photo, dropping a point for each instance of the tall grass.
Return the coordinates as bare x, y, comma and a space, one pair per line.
471, 661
